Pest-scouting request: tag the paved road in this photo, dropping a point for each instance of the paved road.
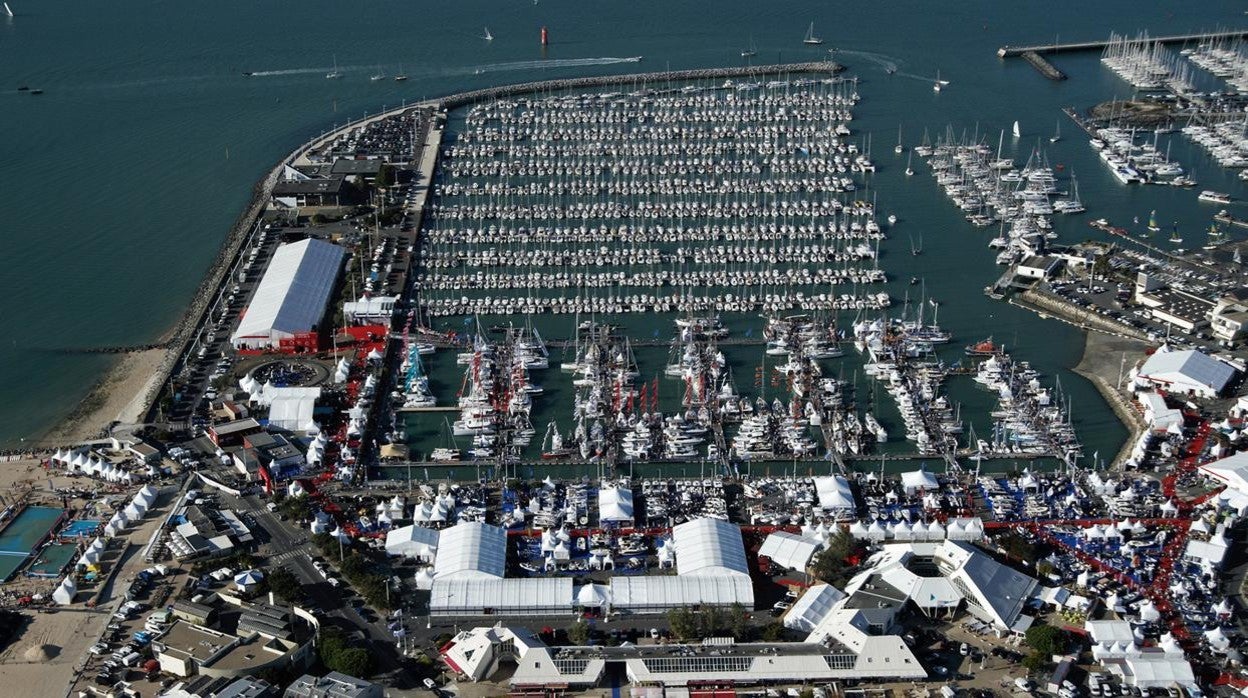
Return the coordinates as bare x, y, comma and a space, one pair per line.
290, 547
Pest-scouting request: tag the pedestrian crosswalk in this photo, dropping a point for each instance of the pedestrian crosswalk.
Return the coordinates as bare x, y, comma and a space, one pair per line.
286, 555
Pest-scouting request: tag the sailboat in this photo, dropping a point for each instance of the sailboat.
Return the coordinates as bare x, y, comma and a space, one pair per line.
8, 11
1174, 234
751, 51
909, 169
1057, 133
898, 148
811, 39
379, 75
487, 35
936, 85
1152, 221
334, 74
401, 75
1017, 132
916, 250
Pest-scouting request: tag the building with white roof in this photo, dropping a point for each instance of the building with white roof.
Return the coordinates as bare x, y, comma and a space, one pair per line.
417, 542
811, 607
292, 296
615, 505
1187, 372
835, 495
1161, 418
471, 550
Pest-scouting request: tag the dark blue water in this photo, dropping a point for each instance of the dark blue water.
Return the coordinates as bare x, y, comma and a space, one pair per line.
119, 183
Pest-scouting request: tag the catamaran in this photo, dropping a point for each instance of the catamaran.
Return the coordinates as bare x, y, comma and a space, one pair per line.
334, 74
811, 39
1017, 131
1152, 221
487, 35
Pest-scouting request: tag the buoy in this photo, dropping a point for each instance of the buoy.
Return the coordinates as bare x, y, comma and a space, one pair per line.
545, 37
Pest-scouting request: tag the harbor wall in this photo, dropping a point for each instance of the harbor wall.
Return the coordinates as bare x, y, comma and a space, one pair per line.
1074, 315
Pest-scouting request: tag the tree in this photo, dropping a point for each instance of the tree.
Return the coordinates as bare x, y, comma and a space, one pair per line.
578, 633
832, 565
738, 622
709, 622
773, 631
1036, 661
684, 622
1044, 568
352, 661
285, 584
385, 176
1047, 640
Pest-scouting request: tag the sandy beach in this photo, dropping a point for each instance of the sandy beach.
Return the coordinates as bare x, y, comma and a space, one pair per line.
121, 395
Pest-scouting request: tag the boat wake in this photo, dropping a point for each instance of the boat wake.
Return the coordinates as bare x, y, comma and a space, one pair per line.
888, 63
291, 71
555, 63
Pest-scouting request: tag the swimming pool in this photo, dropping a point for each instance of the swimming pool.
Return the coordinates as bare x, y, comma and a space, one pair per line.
52, 560
81, 528
23, 535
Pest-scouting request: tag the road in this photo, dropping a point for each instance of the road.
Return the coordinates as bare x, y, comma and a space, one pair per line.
287, 546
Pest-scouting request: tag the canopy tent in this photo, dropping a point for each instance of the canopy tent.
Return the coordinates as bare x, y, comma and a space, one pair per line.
413, 542
615, 505
248, 580
495, 596
789, 550
835, 494
593, 596
709, 547
916, 480
471, 550
64, 594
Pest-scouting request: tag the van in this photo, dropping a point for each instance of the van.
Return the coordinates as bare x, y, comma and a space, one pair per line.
131, 659
1022, 684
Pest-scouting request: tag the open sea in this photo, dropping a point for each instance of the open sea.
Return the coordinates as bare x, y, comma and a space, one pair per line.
119, 183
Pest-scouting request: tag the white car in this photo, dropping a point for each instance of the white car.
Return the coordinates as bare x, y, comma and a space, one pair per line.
99, 648
1023, 684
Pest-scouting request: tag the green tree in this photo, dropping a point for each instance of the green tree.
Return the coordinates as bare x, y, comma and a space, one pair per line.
773, 632
1047, 640
684, 622
710, 621
284, 584
385, 176
738, 622
352, 661
1036, 661
578, 633
832, 564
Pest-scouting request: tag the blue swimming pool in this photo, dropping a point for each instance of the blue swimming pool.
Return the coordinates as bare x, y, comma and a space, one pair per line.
81, 528
23, 535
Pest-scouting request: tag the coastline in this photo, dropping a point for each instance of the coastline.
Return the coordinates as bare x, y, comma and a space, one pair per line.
128, 390
1102, 361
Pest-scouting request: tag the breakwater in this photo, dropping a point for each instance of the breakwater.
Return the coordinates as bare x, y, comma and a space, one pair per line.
489, 93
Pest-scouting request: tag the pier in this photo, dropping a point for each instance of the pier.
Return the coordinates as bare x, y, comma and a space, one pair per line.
1032, 54
1008, 51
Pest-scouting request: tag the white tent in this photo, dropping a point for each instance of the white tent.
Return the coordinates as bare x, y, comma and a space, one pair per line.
64, 594
876, 531
615, 505
1217, 639
593, 596
471, 550
812, 607
834, 493
412, 541
291, 296
789, 550
920, 479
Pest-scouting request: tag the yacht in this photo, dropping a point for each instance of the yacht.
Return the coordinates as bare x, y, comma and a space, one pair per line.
1215, 197
334, 74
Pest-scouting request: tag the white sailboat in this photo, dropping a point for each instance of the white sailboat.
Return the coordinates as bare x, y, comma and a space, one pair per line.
8, 11
811, 39
379, 75
1057, 133
334, 74
401, 75
936, 85
487, 35
899, 148
909, 169
1017, 131
751, 51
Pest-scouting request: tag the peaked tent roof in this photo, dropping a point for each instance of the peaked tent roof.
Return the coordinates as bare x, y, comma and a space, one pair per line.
789, 549
709, 547
1188, 364
471, 550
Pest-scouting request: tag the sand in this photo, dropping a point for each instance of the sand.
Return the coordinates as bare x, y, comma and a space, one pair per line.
121, 395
